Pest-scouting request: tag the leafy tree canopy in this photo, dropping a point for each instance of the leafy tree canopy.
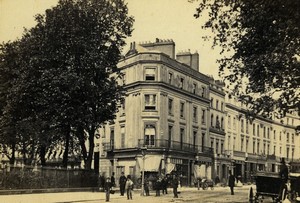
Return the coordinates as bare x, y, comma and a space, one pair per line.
61, 71
260, 41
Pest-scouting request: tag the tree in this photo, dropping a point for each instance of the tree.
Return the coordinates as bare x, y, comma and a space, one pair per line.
66, 63
260, 41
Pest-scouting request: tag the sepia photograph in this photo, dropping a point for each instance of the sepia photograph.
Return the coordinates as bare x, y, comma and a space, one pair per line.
149, 101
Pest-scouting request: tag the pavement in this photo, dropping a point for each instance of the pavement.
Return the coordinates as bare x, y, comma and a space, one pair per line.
187, 194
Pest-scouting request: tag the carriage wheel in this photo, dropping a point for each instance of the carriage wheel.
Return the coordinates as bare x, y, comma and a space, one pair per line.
204, 186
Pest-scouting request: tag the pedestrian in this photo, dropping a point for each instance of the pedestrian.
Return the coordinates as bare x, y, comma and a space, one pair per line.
231, 182
107, 188
164, 184
129, 186
283, 174
146, 186
158, 186
122, 182
175, 186
112, 179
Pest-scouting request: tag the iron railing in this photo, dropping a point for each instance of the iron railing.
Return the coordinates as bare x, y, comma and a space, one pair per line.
164, 144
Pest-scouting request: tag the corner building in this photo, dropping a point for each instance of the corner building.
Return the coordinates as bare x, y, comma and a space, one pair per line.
162, 126
175, 120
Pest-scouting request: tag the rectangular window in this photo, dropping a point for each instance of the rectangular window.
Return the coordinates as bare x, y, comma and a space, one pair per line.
181, 137
112, 138
170, 106
194, 88
203, 92
170, 135
150, 102
122, 137
203, 116
247, 126
182, 109
195, 114
181, 84
253, 129
217, 104
150, 135
170, 79
150, 74
288, 137
229, 122
242, 125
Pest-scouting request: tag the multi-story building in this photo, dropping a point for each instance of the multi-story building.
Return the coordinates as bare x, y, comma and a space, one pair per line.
176, 120
165, 116
259, 144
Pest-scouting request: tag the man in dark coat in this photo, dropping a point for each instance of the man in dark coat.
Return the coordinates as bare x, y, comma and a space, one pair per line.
283, 174
158, 186
231, 182
175, 186
122, 183
107, 188
164, 184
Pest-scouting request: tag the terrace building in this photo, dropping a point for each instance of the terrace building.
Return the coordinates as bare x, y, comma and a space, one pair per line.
176, 120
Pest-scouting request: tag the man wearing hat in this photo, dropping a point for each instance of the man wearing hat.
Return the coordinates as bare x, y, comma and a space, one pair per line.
107, 188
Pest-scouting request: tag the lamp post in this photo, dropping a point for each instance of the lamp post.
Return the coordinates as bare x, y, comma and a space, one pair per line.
143, 149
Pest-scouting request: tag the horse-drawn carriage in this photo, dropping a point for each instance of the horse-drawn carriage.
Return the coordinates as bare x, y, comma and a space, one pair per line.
269, 185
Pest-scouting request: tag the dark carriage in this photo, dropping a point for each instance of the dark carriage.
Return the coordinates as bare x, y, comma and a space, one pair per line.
268, 185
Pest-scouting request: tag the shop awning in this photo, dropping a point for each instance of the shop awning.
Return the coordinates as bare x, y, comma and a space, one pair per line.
151, 163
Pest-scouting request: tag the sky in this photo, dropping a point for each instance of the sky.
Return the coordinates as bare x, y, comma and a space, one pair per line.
163, 19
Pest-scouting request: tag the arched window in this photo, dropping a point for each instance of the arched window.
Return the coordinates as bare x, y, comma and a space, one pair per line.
212, 120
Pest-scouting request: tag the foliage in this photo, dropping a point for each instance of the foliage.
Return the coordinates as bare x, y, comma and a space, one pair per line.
61, 71
260, 43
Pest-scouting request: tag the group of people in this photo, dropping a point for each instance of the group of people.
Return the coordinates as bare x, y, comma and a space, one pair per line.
126, 185
161, 183
124, 182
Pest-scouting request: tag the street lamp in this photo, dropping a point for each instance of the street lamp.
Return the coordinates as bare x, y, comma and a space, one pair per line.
143, 149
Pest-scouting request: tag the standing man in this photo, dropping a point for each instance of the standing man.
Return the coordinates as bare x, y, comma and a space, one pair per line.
113, 180
175, 186
231, 182
283, 174
164, 184
107, 188
122, 182
146, 186
129, 186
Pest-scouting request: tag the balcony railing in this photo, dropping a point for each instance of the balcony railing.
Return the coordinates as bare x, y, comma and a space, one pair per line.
164, 144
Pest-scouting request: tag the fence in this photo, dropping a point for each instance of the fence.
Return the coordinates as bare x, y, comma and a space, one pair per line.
42, 178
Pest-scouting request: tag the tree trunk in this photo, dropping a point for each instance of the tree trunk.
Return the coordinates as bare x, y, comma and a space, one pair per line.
12, 158
67, 143
80, 135
43, 154
91, 148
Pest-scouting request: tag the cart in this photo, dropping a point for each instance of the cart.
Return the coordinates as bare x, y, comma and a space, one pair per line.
204, 184
267, 185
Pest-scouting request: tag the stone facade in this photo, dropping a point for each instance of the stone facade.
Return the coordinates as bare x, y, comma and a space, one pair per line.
175, 120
